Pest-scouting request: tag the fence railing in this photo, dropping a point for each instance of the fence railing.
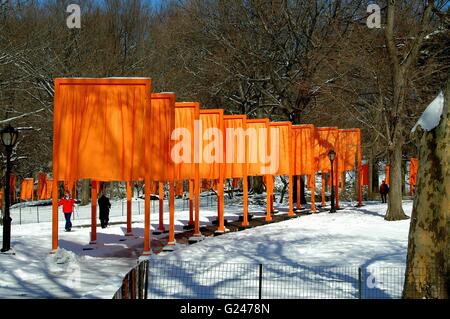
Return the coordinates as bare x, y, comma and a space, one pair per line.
168, 279
41, 214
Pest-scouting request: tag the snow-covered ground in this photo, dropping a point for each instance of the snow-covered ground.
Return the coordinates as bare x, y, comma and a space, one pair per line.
350, 238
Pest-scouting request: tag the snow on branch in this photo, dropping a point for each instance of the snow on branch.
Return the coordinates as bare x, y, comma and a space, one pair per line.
432, 114
20, 116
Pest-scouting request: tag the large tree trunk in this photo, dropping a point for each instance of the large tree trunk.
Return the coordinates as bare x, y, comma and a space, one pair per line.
257, 184
375, 180
428, 260
85, 192
302, 190
395, 127
395, 209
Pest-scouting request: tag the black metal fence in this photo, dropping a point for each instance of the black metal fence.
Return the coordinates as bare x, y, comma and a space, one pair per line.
198, 280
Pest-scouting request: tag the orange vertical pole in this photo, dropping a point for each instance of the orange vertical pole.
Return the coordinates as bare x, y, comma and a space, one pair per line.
129, 199
359, 170
147, 191
313, 192
245, 201
197, 201
291, 180
55, 215
291, 196
323, 189
272, 187
94, 190
298, 192
268, 199
336, 186
171, 213
191, 207
161, 206
220, 203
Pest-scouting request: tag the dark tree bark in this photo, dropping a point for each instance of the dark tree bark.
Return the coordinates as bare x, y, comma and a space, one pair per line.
302, 190
85, 192
257, 184
428, 260
401, 67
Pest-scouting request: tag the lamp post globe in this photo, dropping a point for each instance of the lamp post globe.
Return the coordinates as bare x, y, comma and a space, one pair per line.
332, 156
8, 136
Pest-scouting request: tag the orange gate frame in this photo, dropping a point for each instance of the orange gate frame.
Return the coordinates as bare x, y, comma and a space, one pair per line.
235, 169
285, 154
85, 146
162, 168
214, 170
257, 168
349, 153
327, 138
186, 113
303, 140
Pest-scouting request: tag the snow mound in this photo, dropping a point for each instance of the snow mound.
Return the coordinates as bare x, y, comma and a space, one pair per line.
62, 260
432, 114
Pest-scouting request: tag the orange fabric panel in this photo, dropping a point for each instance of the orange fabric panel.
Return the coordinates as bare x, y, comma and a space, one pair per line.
179, 189
47, 194
27, 189
365, 174
327, 138
185, 115
257, 145
42, 178
13, 188
413, 168
303, 140
347, 149
388, 174
154, 187
163, 123
100, 128
282, 147
210, 167
235, 145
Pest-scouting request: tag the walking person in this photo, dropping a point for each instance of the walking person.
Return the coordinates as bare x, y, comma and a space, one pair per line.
68, 204
104, 205
384, 190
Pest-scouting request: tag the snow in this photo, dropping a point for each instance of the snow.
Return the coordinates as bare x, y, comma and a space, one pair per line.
350, 238
432, 114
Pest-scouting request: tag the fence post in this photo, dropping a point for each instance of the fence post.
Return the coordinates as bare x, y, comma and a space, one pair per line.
133, 283
147, 267
359, 283
139, 207
260, 281
20, 216
37, 213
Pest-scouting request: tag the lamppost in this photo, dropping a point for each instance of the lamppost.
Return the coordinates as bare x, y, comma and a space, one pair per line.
9, 138
332, 156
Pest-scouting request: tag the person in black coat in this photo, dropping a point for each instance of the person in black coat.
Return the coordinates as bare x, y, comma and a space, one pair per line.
104, 205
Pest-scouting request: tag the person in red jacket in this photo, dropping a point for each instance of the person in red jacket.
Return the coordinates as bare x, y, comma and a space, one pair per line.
67, 203
384, 190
